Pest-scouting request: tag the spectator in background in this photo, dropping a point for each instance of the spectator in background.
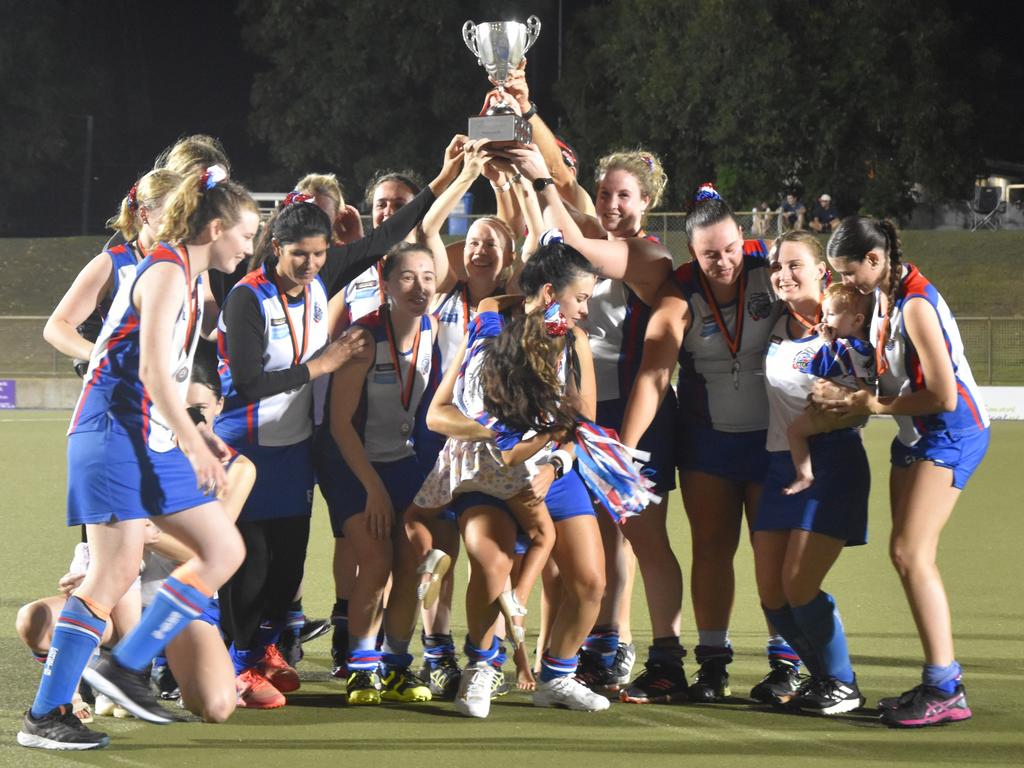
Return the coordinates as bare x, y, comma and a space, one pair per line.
794, 214
824, 217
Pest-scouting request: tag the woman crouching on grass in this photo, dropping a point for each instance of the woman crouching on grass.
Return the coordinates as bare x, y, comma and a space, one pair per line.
371, 468
925, 382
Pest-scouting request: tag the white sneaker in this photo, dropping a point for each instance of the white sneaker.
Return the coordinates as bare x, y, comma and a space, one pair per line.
569, 693
434, 566
474, 696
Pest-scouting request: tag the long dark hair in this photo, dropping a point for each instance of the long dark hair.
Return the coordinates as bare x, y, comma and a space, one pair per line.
289, 224
857, 235
519, 374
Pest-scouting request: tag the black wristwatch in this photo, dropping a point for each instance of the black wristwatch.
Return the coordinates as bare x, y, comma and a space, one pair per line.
530, 112
556, 462
539, 184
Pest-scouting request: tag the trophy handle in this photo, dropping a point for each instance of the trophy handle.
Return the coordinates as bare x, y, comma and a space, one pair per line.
532, 32
469, 36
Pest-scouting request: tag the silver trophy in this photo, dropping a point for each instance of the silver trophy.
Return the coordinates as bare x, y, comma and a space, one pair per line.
499, 47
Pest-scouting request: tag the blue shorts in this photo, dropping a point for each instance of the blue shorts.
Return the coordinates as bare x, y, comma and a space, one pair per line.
737, 456
113, 476
211, 613
835, 505
346, 496
284, 482
566, 498
961, 454
659, 439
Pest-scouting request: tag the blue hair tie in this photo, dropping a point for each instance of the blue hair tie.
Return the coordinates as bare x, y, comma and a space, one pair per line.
551, 236
706, 191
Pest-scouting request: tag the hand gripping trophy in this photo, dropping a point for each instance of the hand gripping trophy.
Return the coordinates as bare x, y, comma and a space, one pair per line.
499, 47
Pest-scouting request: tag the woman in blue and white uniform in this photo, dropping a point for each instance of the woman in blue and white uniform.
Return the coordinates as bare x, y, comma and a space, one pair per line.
134, 453
798, 538
714, 317
926, 383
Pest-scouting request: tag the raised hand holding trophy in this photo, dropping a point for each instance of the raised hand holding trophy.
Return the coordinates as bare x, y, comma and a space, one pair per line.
499, 47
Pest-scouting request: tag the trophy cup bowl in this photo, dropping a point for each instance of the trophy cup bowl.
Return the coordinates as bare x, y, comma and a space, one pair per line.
499, 47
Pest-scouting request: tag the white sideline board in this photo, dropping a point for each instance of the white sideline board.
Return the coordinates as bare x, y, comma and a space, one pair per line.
1004, 403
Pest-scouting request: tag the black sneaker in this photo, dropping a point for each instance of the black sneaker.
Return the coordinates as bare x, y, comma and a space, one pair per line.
659, 683
165, 683
711, 683
313, 628
622, 667
827, 697
779, 685
594, 675
442, 677
925, 705
131, 689
290, 647
59, 729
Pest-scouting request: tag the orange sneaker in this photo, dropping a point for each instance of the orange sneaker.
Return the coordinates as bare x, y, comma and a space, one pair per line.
256, 692
278, 671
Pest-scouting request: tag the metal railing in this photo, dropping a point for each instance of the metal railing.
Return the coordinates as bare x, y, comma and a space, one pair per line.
995, 349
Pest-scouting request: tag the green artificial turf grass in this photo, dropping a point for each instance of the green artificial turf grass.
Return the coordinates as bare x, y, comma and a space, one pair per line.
979, 557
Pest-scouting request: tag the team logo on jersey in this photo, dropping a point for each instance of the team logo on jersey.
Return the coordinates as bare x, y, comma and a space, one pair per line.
318, 312
708, 326
365, 284
449, 317
278, 321
425, 367
381, 367
802, 360
181, 374
759, 306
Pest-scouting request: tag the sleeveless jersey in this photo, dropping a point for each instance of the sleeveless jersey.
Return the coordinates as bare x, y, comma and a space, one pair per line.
112, 387
290, 338
453, 315
386, 425
789, 376
616, 324
364, 295
717, 388
904, 373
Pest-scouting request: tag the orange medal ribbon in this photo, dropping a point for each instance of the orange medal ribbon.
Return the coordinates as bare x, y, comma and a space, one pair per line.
407, 385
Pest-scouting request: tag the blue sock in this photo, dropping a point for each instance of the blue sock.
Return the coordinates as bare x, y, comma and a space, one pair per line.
781, 652
943, 678
437, 647
269, 632
363, 660
502, 656
295, 618
247, 658
552, 667
175, 605
603, 642
820, 623
395, 654
785, 624
475, 654
666, 650
75, 638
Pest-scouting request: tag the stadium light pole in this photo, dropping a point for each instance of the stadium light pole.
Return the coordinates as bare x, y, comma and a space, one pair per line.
87, 174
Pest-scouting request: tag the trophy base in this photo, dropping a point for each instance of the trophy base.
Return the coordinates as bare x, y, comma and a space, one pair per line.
507, 129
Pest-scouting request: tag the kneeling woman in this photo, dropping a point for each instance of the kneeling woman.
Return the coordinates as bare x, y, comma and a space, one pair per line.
373, 471
797, 538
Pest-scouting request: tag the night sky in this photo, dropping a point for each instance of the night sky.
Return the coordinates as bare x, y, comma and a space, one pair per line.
185, 70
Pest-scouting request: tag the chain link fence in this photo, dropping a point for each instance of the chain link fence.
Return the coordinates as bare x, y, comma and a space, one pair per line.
995, 349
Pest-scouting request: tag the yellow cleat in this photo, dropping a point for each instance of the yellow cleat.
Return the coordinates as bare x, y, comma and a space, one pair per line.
363, 687
404, 686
